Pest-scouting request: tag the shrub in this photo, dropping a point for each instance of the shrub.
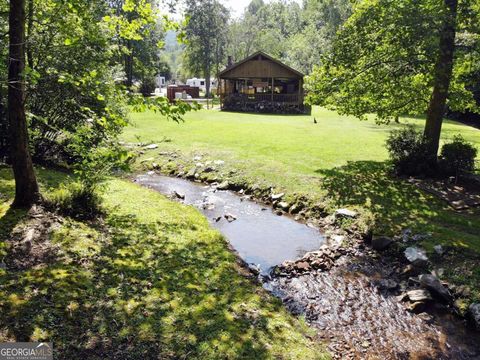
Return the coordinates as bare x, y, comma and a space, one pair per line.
408, 151
147, 86
77, 201
457, 156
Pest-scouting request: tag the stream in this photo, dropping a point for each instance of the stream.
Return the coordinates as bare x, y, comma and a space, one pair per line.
345, 306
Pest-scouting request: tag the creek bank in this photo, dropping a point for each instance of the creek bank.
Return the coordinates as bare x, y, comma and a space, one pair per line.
381, 258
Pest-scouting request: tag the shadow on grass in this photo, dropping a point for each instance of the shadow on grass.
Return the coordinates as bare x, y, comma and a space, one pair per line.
130, 291
393, 202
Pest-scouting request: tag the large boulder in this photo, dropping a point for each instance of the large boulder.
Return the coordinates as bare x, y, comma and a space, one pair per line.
432, 283
416, 256
474, 315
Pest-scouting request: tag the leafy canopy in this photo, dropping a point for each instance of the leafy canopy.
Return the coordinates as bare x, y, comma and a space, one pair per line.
383, 58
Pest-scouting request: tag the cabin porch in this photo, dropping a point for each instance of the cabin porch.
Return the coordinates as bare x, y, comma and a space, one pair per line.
275, 95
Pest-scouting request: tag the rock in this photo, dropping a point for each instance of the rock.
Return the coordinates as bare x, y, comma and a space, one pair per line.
224, 185
255, 269
416, 307
336, 240
191, 173
429, 319
151, 173
303, 266
199, 165
294, 209
381, 243
197, 158
474, 315
277, 196
150, 147
416, 256
209, 169
419, 295
283, 205
463, 291
345, 213
179, 195
387, 284
439, 249
219, 162
30, 235
432, 283
217, 219
230, 217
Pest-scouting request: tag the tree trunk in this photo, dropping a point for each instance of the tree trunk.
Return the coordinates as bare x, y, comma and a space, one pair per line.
207, 82
442, 77
26, 187
29, 35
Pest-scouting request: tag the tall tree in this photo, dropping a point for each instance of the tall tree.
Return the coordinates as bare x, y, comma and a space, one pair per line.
441, 77
26, 187
206, 37
400, 57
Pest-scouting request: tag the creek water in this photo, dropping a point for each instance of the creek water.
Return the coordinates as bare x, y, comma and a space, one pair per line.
357, 318
260, 237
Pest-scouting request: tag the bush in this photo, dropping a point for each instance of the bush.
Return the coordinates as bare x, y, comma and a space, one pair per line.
147, 86
409, 152
457, 156
77, 201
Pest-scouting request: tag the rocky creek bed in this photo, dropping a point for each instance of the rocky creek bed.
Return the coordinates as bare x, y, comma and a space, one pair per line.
365, 305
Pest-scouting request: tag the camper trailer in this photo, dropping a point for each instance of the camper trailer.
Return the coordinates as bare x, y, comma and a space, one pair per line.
201, 84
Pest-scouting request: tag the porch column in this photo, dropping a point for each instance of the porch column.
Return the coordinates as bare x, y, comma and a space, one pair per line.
273, 87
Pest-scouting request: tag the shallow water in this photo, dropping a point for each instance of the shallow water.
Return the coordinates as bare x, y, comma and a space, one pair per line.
258, 235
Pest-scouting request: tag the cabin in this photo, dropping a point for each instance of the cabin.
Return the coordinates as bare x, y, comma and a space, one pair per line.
260, 83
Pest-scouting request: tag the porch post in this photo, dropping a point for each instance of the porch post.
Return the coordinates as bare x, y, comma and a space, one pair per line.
273, 87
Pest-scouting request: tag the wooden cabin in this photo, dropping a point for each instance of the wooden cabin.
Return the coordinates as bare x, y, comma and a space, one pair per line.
261, 83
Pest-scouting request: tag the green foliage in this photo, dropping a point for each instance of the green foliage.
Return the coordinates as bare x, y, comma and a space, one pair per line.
294, 34
77, 200
457, 156
409, 151
383, 58
206, 37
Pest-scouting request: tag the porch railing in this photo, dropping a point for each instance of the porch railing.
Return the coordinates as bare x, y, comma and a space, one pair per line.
255, 98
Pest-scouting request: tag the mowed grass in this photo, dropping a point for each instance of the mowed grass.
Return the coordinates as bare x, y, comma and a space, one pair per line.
284, 148
340, 161
150, 281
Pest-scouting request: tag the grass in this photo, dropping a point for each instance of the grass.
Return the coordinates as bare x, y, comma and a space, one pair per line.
152, 280
340, 161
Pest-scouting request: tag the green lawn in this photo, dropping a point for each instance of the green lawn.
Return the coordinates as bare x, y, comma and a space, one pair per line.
340, 161
152, 281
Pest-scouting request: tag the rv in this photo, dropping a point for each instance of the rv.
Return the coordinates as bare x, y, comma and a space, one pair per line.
200, 83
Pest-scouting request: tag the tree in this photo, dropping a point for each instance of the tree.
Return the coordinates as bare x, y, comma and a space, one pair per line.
26, 187
206, 37
394, 58
442, 75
